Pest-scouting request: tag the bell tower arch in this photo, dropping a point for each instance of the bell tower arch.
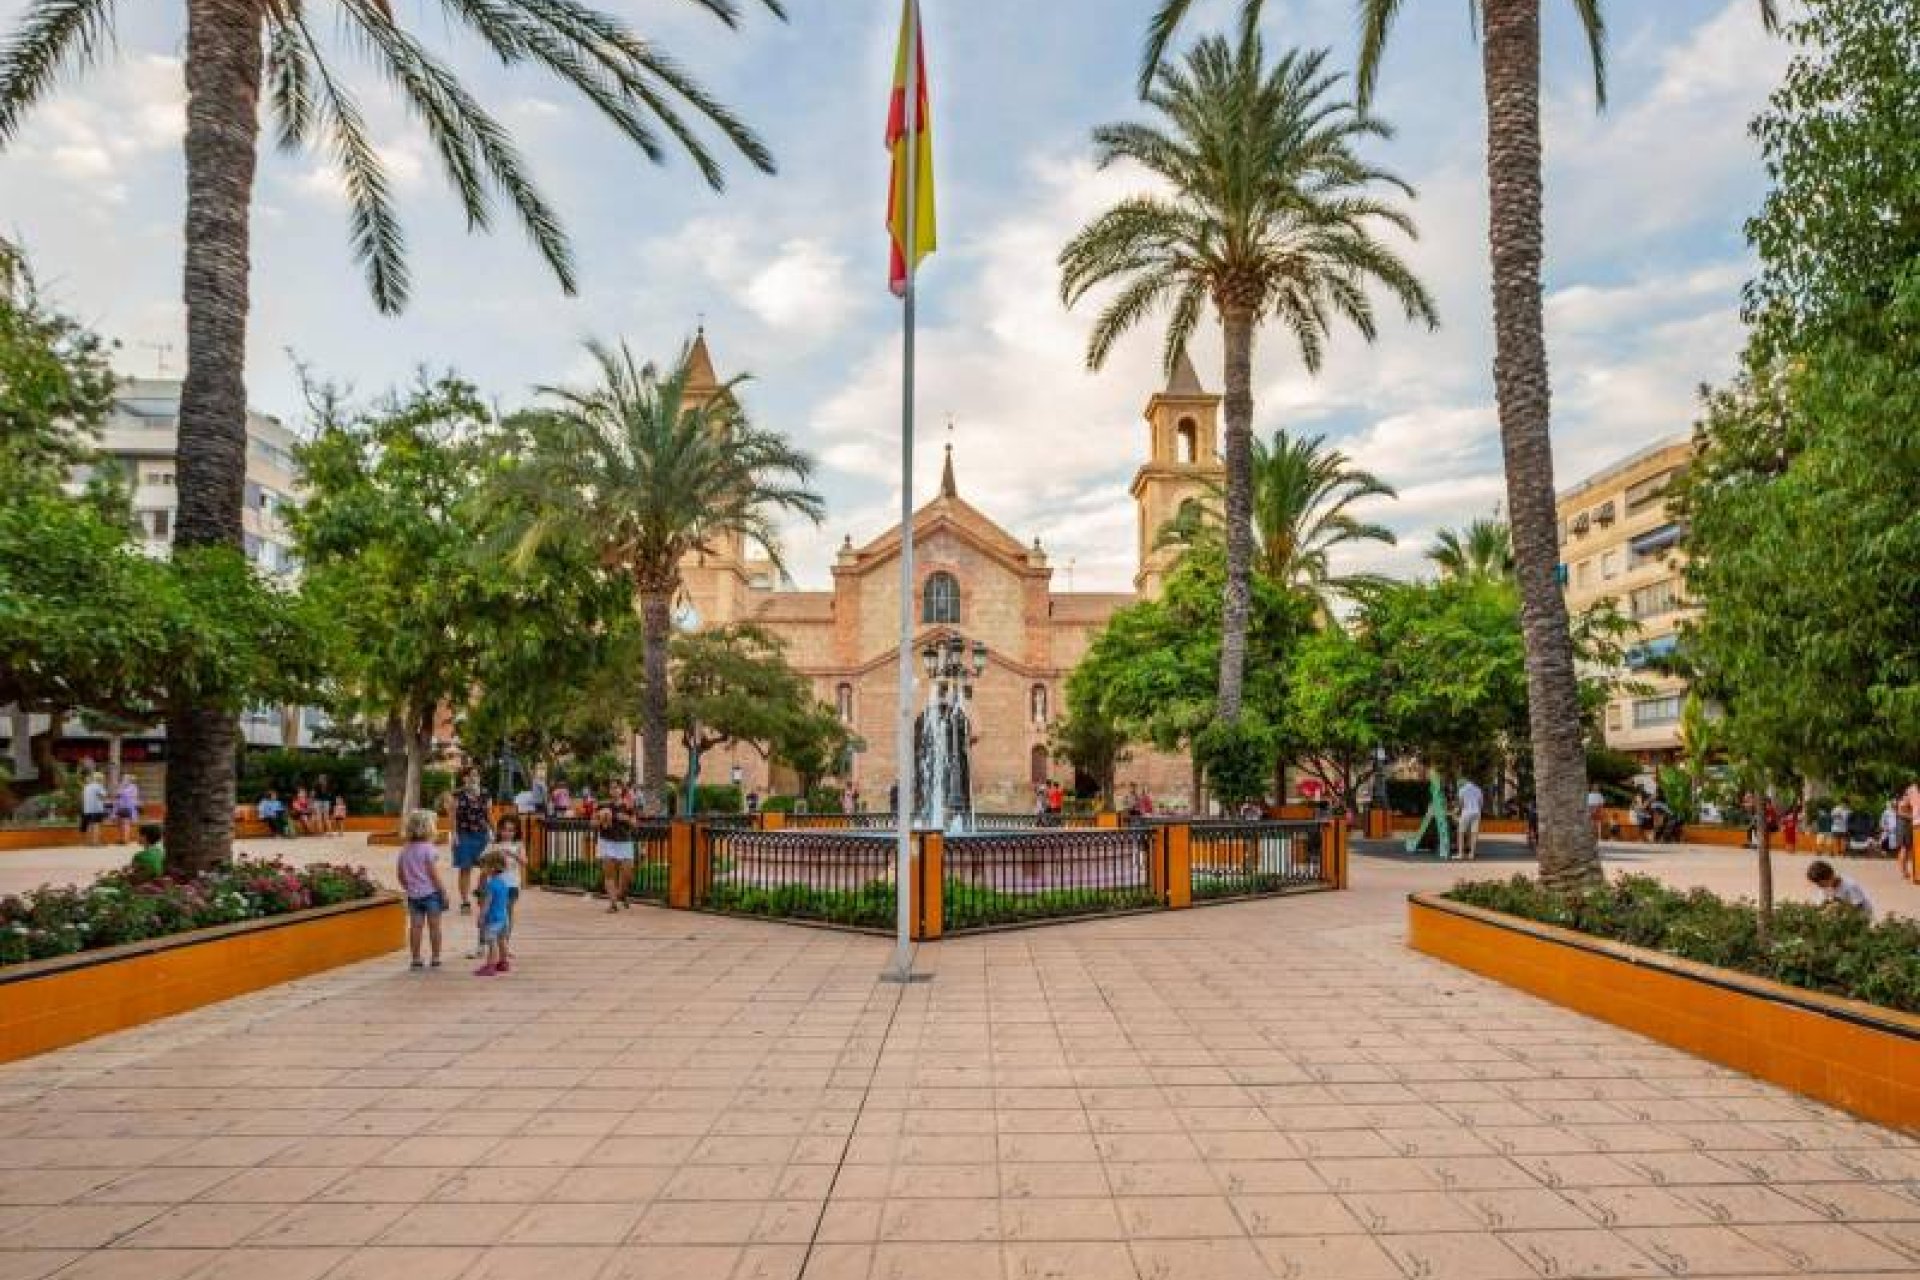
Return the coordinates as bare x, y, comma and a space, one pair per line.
1183, 464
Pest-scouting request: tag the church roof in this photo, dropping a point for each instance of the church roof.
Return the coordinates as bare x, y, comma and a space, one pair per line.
700, 374
1184, 382
1088, 606
947, 488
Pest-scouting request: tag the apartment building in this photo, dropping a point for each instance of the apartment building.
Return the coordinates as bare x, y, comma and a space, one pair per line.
140, 438
1619, 540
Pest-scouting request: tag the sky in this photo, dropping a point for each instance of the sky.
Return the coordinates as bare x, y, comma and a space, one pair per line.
1645, 256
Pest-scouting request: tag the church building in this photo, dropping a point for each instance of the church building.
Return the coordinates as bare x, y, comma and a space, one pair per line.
974, 578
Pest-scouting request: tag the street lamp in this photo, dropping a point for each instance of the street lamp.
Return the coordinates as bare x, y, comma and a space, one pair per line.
686, 620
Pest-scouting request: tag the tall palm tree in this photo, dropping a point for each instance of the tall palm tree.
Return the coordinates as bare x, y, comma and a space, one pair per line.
1482, 550
1510, 62
645, 472
235, 51
1303, 495
1268, 214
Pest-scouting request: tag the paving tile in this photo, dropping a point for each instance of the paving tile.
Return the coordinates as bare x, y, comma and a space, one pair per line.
1826, 1246
202, 1226
1231, 1259
1704, 1251
1337, 1257
1456, 1256
1067, 1260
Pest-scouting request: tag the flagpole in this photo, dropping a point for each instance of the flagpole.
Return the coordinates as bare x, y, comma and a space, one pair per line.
901, 967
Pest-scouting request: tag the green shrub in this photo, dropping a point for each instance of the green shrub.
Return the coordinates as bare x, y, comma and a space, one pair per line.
1818, 948
288, 771
119, 907
967, 906
870, 906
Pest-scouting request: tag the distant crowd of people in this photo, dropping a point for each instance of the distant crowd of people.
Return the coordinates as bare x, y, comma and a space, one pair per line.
319, 812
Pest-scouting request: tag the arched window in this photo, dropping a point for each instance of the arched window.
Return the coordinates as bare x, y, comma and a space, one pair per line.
1037, 767
1038, 700
843, 703
940, 599
1187, 440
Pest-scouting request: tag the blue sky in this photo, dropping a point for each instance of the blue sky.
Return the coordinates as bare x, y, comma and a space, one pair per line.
1645, 255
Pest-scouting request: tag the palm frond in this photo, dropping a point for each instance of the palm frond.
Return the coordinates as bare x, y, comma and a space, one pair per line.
1593, 23
55, 35
1376, 23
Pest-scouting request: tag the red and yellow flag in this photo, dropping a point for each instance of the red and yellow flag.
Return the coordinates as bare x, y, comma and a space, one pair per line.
917, 238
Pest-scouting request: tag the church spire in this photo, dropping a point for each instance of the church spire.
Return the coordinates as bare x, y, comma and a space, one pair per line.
700, 374
947, 487
1185, 382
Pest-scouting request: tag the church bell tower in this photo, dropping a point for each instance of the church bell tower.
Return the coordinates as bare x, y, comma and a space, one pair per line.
1183, 464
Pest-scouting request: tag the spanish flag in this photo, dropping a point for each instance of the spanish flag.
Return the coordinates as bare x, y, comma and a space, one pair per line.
901, 129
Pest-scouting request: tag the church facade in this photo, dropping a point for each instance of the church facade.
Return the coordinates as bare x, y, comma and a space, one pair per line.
975, 578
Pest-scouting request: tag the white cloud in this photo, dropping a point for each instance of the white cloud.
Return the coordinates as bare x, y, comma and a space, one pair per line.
806, 284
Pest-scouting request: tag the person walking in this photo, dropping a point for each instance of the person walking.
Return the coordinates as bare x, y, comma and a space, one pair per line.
418, 872
618, 823
93, 808
1473, 803
1790, 829
126, 807
472, 831
1838, 819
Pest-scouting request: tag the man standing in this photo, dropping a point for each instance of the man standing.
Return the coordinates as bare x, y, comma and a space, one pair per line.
472, 829
1472, 803
93, 807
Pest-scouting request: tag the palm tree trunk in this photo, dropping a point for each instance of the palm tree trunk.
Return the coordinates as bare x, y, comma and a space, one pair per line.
393, 777
223, 126
1237, 326
656, 631
1511, 54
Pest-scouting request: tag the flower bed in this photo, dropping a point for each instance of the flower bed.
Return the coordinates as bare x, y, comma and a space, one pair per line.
1814, 948
121, 907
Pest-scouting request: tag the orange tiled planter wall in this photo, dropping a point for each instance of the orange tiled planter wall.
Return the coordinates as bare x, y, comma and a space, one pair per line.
1853, 1055
50, 1003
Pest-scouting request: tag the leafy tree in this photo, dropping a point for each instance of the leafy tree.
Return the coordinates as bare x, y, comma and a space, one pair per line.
232, 53
815, 744
1802, 530
1335, 709
1271, 215
56, 387
733, 684
391, 536
1088, 742
1510, 58
1484, 549
1151, 672
645, 473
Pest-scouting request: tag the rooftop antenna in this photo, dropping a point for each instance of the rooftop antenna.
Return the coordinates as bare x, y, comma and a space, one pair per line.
160, 351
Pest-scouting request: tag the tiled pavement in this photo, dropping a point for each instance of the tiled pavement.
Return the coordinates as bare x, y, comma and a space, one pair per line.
1265, 1090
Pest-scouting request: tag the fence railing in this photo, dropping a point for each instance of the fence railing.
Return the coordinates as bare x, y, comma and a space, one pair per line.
564, 853
846, 876
1051, 873
881, 821
1245, 859
1029, 821
836, 877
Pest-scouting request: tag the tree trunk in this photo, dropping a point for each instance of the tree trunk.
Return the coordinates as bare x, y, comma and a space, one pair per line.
1511, 53
1237, 328
419, 737
1763, 919
116, 744
393, 766
656, 631
223, 126
20, 742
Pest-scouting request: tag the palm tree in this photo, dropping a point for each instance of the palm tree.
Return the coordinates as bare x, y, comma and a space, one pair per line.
1483, 550
645, 472
235, 51
1269, 214
1510, 61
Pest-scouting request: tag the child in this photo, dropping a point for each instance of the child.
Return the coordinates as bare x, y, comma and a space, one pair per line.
419, 878
151, 861
1840, 890
338, 816
506, 843
493, 915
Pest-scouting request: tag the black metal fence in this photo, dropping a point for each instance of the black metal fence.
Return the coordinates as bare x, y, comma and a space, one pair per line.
1016, 878
1032, 821
1246, 859
877, 821
566, 855
836, 877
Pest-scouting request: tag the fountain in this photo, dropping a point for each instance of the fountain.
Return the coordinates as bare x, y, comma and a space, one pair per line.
943, 736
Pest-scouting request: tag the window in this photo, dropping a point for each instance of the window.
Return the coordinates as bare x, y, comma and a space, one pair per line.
162, 479
1656, 600
1648, 712
1037, 766
1652, 545
155, 521
1186, 441
1609, 565
1616, 719
1037, 702
1604, 515
843, 703
940, 599
1583, 574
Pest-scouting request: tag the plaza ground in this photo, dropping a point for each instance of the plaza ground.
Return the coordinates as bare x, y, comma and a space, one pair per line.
1272, 1089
